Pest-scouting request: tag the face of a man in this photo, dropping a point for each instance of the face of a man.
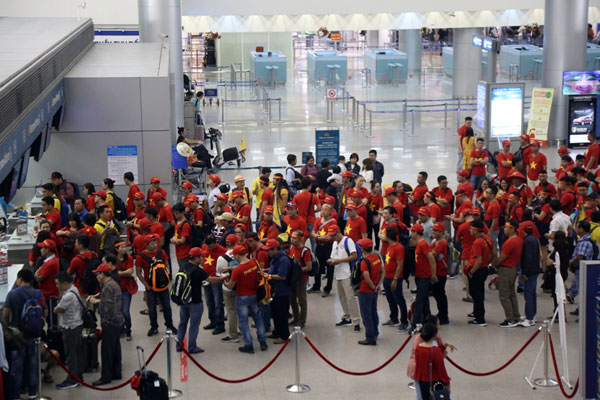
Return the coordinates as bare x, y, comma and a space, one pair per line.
292, 212
240, 184
468, 124
443, 184
386, 215
152, 246
479, 144
373, 157
268, 217
78, 205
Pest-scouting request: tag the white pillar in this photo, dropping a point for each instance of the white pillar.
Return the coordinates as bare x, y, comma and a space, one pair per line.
565, 37
466, 63
409, 42
158, 18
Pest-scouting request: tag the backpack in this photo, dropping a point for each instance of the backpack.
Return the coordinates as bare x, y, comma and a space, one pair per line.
87, 316
595, 249
181, 291
295, 274
89, 283
65, 211
111, 237
158, 275
264, 291
359, 255
357, 275
32, 315
296, 185
316, 267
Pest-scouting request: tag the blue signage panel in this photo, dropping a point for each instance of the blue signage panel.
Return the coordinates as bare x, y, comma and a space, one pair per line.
481, 100
589, 314
477, 41
327, 145
122, 150
488, 44
213, 92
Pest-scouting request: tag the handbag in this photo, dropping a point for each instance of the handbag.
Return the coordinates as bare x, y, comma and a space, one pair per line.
88, 316
437, 389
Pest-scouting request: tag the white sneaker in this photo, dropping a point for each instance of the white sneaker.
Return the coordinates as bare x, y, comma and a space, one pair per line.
527, 323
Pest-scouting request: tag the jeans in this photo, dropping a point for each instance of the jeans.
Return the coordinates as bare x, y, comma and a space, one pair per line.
298, 302
110, 350
191, 312
368, 313
476, 181
23, 367
395, 300
323, 252
530, 297
279, 312
214, 302
477, 289
73, 350
165, 300
265, 312
494, 237
313, 241
125, 305
422, 306
574, 289
232, 319
506, 291
417, 386
247, 305
439, 293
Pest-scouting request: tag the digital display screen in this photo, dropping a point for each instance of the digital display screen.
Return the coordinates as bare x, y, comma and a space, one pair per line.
481, 94
24, 168
477, 41
581, 82
582, 118
488, 44
506, 112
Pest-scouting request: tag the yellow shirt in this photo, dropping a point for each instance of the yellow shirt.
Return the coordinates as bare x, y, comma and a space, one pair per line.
595, 231
257, 190
247, 195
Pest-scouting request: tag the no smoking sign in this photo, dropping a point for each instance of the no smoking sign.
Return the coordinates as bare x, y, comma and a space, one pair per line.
331, 94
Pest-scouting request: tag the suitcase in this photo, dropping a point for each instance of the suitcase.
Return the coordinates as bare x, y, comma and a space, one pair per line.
54, 333
230, 154
151, 386
89, 344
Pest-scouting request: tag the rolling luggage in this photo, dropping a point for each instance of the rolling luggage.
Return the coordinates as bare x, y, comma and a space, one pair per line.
54, 333
149, 385
230, 154
89, 344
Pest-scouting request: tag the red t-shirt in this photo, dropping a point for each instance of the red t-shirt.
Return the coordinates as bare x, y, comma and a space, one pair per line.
465, 207
550, 187
156, 228
516, 213
422, 269
54, 218
321, 227
568, 201
492, 211
462, 131
441, 261
296, 253
49, 270
141, 263
479, 170
246, 278
418, 194
244, 211
362, 211
197, 215
210, 261
77, 268
90, 203
376, 203
295, 224
165, 214
267, 196
524, 191
355, 228
468, 188
446, 195
373, 273
151, 192
394, 253
262, 256
398, 206
502, 170
183, 230
130, 206
593, 150
548, 217
435, 211
124, 266
138, 244
482, 247
512, 249
303, 201
464, 234
383, 229
536, 164
267, 230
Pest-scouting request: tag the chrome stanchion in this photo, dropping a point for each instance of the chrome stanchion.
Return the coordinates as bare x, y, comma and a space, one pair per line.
458, 116
546, 381
38, 343
172, 392
445, 115
279, 105
297, 387
364, 116
405, 110
412, 122
269, 105
370, 134
223, 112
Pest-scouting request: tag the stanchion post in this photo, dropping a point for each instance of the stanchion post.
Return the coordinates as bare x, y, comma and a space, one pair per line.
364, 116
546, 381
279, 105
412, 122
297, 387
223, 112
172, 392
445, 115
405, 111
370, 134
269, 105
458, 116
38, 343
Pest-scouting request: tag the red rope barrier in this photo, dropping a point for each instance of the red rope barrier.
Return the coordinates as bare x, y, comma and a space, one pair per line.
344, 371
102, 389
207, 372
513, 358
560, 384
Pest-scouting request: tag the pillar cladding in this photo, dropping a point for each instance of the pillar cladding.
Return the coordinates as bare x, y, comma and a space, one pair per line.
158, 18
565, 36
466, 63
409, 42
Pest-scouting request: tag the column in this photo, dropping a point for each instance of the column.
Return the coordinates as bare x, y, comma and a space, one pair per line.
466, 63
160, 20
409, 42
565, 37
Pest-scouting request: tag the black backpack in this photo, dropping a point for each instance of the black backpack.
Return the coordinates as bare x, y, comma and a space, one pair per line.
315, 262
297, 185
89, 283
295, 274
357, 275
120, 211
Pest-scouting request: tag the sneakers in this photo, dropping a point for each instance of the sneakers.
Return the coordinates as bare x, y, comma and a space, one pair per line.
218, 331
527, 323
129, 338
344, 322
67, 385
314, 290
101, 382
229, 339
576, 312
152, 332
263, 346
403, 327
324, 294
356, 328
477, 323
246, 349
471, 315
391, 323
508, 324
467, 299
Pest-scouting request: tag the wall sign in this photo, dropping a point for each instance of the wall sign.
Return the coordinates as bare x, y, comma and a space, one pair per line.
122, 159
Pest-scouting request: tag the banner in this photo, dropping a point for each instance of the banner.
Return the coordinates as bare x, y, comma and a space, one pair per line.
539, 114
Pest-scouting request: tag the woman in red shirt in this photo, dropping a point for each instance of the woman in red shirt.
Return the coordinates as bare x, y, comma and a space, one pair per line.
90, 199
429, 362
66, 238
376, 204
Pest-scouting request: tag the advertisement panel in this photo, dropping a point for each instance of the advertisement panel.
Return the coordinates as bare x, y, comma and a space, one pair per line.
506, 111
581, 119
539, 113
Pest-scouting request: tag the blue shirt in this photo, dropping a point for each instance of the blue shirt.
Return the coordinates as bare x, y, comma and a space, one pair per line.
584, 248
83, 214
280, 265
378, 171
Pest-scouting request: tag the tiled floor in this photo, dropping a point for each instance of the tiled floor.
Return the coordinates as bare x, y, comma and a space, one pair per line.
432, 148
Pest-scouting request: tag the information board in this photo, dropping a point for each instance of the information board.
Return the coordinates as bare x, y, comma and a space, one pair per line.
327, 145
506, 111
539, 113
121, 159
481, 100
589, 311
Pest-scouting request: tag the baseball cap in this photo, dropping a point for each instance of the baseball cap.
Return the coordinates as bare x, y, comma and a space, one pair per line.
525, 136
239, 178
475, 211
155, 179
333, 229
232, 239
463, 172
390, 190
535, 143
346, 174
49, 244
238, 250
100, 193
329, 200
271, 244
351, 206
528, 226
416, 228
143, 223
563, 151
139, 196
440, 227
236, 193
222, 196
291, 204
192, 198
157, 196
102, 268
197, 251
187, 185
268, 209
215, 179
227, 216
516, 174
366, 244
356, 193
150, 237
424, 210
506, 143
241, 226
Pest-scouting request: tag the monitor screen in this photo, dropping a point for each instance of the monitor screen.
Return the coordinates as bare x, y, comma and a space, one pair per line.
581, 83
506, 111
24, 168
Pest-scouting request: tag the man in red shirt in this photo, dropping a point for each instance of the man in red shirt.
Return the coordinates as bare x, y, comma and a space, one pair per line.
242, 209
418, 193
371, 268
525, 148
392, 280
129, 180
78, 263
324, 245
155, 188
536, 163
182, 236
464, 237
568, 198
504, 159
465, 205
440, 253
307, 202
392, 197
507, 262
51, 214
267, 229
592, 153
481, 251
134, 217
46, 274
519, 184
444, 198
463, 183
543, 184
298, 302
151, 214
267, 194
358, 198
479, 160
293, 221
213, 293
425, 273
356, 227
492, 213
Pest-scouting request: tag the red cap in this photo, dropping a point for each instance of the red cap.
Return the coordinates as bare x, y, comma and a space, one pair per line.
215, 179
291, 204
391, 190
528, 226
475, 211
143, 223
150, 237
187, 185
139, 196
416, 228
100, 193
329, 200
333, 229
525, 137
356, 193
222, 196
157, 196
506, 143
563, 151
191, 198
155, 179
197, 251
346, 174
440, 227
241, 226
463, 172
232, 239
516, 174
239, 250
268, 210
366, 244
424, 210
49, 244
271, 244
351, 206
535, 143
236, 193
102, 268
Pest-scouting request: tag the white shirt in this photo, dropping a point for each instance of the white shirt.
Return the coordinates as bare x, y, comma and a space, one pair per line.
560, 222
427, 230
338, 250
222, 263
342, 167
368, 175
212, 197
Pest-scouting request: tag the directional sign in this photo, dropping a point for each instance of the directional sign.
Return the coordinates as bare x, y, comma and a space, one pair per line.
331, 94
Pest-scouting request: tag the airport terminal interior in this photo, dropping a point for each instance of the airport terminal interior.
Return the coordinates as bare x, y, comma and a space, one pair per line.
94, 89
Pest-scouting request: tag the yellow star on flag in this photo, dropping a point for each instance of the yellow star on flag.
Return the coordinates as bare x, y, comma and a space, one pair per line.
533, 165
208, 260
261, 234
289, 229
348, 229
387, 258
322, 232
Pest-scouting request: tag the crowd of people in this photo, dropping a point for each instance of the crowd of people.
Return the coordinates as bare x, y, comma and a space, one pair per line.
260, 250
